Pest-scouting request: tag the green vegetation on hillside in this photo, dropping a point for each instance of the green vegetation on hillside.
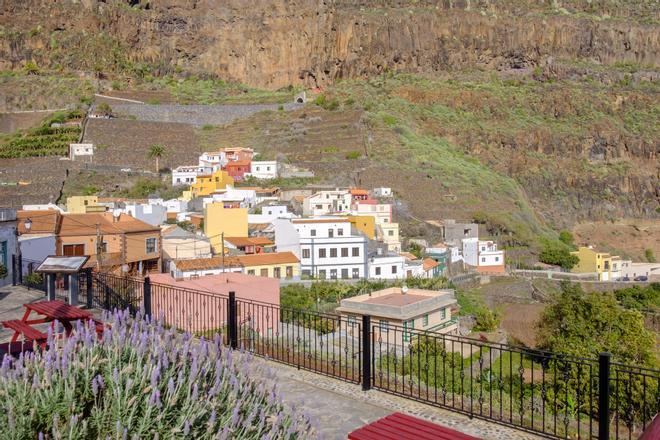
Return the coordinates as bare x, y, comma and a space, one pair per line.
44, 140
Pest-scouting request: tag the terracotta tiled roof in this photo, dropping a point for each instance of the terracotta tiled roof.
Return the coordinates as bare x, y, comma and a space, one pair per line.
408, 256
358, 192
238, 163
249, 241
268, 258
205, 263
85, 224
429, 263
43, 222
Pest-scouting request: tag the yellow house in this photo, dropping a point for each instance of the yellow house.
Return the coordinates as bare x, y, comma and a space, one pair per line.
209, 183
83, 205
365, 224
273, 265
218, 220
601, 263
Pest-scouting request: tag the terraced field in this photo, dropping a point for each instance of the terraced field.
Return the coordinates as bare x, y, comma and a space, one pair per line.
32, 180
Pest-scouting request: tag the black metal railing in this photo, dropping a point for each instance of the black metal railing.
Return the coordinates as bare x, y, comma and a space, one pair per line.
107, 291
546, 393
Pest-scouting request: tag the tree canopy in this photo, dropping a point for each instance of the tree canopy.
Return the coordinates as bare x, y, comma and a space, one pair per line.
585, 324
558, 253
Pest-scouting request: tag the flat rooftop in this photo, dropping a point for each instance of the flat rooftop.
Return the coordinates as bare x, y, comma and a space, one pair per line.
396, 299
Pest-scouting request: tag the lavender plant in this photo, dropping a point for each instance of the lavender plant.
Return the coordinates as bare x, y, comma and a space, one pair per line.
141, 380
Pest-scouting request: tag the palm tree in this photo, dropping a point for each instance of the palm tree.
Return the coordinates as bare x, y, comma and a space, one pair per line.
156, 152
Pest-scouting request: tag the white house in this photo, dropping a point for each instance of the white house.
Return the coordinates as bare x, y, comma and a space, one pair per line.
187, 174
327, 248
389, 266
383, 192
42, 207
483, 255
246, 198
154, 215
263, 169
270, 213
81, 150
214, 160
327, 202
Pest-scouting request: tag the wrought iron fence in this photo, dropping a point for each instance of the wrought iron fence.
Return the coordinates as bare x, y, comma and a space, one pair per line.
111, 292
550, 394
323, 343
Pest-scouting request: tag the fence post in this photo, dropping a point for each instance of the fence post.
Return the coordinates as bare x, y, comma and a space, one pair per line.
14, 272
147, 297
106, 300
366, 352
232, 321
604, 396
20, 268
50, 286
73, 288
90, 291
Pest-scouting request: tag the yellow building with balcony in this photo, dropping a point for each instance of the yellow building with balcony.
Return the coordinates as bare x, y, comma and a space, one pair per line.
83, 205
604, 264
207, 184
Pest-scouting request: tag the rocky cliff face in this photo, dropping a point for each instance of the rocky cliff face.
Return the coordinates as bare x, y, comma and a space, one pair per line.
276, 43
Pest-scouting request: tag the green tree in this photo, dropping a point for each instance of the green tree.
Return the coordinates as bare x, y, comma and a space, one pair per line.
156, 151
567, 238
650, 256
555, 252
416, 250
585, 324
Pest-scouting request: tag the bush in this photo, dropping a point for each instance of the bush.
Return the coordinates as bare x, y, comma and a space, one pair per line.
558, 253
567, 238
650, 257
141, 381
352, 155
34, 279
3, 271
487, 320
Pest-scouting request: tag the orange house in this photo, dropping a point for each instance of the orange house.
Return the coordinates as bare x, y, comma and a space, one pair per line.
119, 244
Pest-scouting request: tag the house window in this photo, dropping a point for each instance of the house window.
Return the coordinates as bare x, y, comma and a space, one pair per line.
393, 269
305, 253
333, 252
497, 258
151, 245
312, 232
344, 252
250, 271
289, 271
356, 273
356, 251
331, 233
321, 253
104, 247
384, 326
306, 273
407, 327
344, 274
425, 320
267, 168
69, 250
378, 271
340, 232
264, 272
483, 259
390, 233
443, 313
333, 274
322, 274
277, 272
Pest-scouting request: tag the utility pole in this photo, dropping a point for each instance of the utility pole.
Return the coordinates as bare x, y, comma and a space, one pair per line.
222, 237
99, 246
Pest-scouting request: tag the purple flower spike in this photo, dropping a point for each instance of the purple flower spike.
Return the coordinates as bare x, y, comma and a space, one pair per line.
186, 427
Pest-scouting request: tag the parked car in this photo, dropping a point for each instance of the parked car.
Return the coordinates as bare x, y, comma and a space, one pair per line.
625, 279
642, 278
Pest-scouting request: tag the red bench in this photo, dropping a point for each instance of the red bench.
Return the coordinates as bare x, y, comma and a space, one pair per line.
399, 426
21, 328
15, 348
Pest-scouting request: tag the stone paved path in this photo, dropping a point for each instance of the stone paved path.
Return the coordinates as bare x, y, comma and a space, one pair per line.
341, 407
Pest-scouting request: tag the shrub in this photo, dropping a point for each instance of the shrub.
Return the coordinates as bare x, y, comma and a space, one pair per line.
650, 257
567, 238
141, 381
3, 271
34, 279
487, 320
207, 127
559, 254
353, 155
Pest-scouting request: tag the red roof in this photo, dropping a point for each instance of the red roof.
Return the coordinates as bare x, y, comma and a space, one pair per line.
238, 163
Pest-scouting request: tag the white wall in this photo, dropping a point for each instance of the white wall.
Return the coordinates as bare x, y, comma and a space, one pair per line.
265, 169
381, 268
37, 248
471, 251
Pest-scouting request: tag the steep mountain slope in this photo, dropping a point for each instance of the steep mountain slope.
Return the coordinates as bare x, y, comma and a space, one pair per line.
276, 43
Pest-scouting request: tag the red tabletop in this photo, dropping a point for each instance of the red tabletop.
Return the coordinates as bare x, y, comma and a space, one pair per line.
58, 310
399, 426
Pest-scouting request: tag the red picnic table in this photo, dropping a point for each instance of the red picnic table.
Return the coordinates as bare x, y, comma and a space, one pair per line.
400, 426
51, 311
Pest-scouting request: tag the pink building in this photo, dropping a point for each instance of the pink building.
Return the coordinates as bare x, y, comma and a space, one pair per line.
200, 304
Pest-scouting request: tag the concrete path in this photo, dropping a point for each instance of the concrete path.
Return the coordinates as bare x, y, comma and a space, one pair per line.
341, 407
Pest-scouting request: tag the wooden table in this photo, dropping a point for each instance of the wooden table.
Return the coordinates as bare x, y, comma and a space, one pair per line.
400, 426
